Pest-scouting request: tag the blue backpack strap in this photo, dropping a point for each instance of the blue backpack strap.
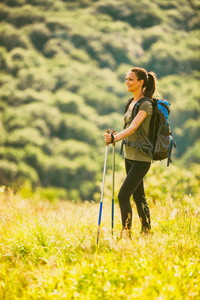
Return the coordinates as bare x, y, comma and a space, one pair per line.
172, 144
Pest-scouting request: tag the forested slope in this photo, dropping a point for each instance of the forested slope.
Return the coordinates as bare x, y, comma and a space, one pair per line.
62, 66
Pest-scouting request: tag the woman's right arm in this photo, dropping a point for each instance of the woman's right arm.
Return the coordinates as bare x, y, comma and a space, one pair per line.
128, 131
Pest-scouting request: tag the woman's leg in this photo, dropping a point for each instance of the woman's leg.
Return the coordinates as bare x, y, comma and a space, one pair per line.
136, 171
142, 207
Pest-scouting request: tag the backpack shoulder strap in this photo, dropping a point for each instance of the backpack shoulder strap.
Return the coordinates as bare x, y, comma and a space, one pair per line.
127, 104
137, 105
134, 113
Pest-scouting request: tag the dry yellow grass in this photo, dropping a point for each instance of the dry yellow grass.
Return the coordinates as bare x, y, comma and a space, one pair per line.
48, 251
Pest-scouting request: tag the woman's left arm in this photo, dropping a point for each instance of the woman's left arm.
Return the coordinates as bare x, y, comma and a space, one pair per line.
128, 131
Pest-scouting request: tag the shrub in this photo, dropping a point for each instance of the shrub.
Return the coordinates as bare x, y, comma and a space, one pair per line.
79, 55
112, 121
74, 127
49, 114
57, 25
86, 168
49, 193
143, 14
39, 35
72, 149
27, 96
3, 62
61, 172
71, 78
86, 190
117, 49
79, 40
36, 78
63, 81
183, 18
23, 136
13, 121
68, 102
72, 103
26, 172
52, 47
4, 12
45, 3
3, 132
185, 182
17, 60
25, 189
97, 52
15, 2
151, 36
104, 102
191, 130
8, 172
42, 127
170, 4
191, 155
167, 60
38, 160
11, 38
68, 174
25, 15
11, 154
8, 86
122, 70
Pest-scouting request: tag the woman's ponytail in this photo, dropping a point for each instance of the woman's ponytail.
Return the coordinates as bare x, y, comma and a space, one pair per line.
150, 86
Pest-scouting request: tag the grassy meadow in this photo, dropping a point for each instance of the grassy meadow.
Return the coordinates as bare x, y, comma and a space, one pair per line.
48, 251
62, 66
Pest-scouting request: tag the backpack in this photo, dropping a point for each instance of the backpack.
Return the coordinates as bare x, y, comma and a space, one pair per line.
159, 143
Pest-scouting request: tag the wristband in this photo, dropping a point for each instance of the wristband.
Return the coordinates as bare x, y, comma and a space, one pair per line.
112, 138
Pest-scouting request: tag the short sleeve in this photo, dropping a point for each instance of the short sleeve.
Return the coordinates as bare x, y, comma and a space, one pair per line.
147, 106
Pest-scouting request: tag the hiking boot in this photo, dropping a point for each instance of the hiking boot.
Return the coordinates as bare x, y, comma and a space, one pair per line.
125, 234
146, 231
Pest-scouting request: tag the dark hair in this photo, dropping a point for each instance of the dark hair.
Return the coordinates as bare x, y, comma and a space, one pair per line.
149, 84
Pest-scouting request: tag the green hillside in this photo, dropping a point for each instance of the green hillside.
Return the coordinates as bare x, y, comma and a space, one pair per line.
62, 66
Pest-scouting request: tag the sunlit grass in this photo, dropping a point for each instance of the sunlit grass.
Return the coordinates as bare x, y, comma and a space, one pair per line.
48, 251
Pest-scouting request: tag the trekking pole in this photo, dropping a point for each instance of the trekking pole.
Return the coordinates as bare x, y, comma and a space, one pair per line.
113, 186
102, 190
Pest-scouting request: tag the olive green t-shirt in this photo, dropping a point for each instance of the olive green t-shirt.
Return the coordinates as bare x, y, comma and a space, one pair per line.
131, 152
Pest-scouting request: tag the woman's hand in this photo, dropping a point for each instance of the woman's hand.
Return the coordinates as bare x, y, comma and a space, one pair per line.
107, 137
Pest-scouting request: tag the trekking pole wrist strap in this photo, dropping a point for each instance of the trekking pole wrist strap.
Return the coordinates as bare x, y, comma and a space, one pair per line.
112, 138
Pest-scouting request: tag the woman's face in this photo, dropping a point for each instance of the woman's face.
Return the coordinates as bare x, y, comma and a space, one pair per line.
133, 84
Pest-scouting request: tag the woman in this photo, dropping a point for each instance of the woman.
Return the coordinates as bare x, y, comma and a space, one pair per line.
140, 84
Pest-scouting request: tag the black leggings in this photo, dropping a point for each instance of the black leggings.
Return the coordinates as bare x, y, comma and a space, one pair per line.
133, 185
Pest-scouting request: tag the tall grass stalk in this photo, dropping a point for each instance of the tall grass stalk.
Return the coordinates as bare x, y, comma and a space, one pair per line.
48, 251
